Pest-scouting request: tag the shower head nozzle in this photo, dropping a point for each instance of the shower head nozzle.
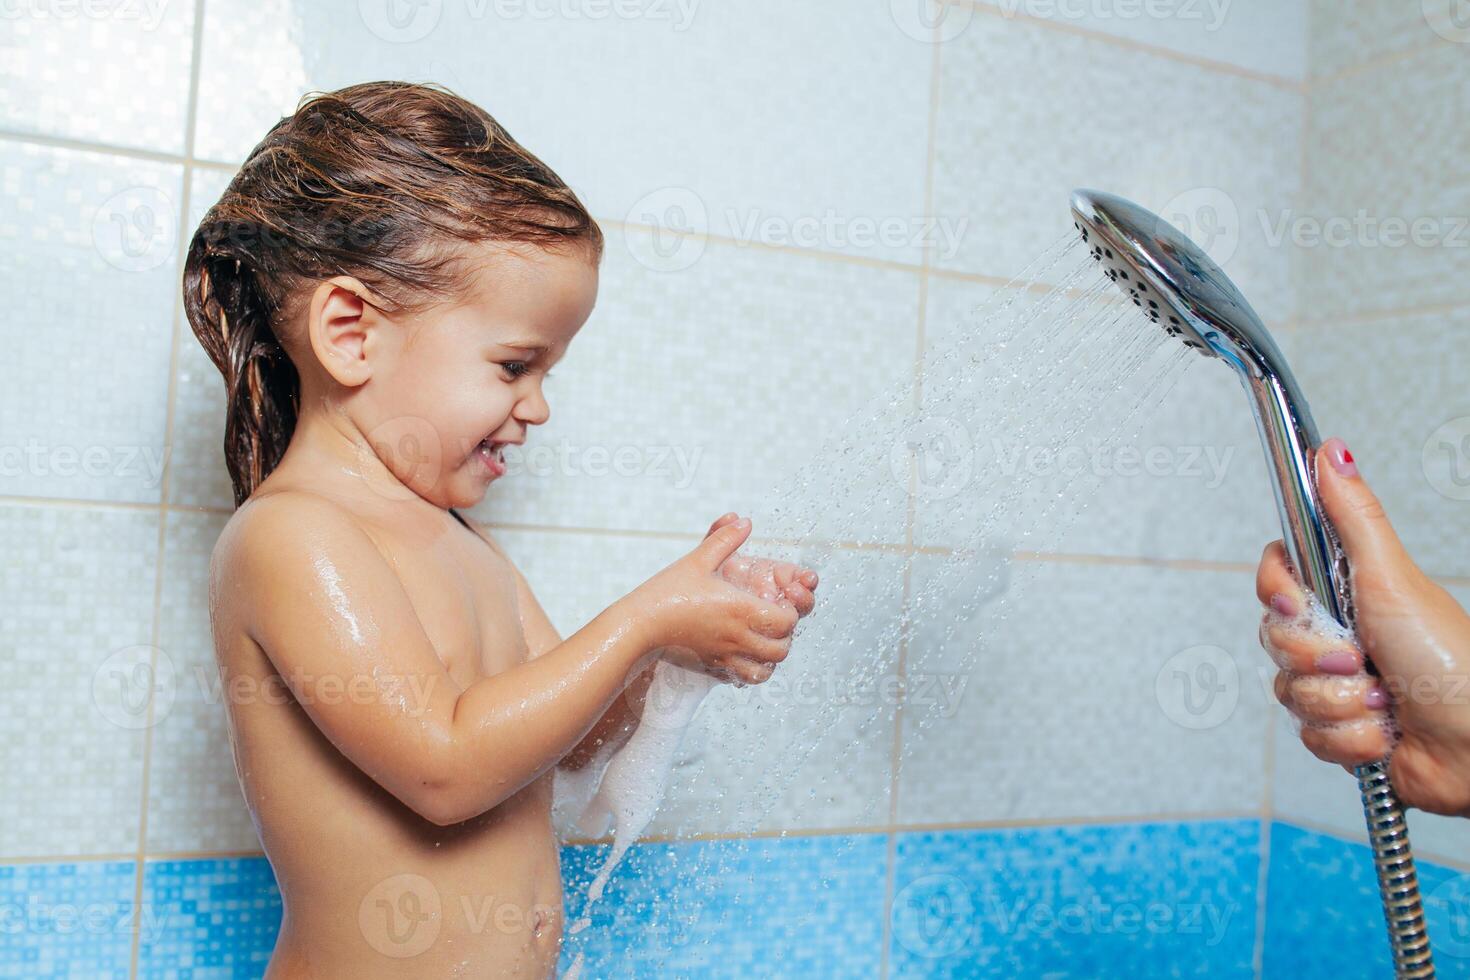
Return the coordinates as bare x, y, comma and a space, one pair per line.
1177, 285
1168, 276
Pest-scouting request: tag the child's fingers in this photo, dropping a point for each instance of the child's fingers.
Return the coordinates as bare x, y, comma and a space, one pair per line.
801, 598
1348, 744
1321, 699
1276, 585
720, 522
1302, 652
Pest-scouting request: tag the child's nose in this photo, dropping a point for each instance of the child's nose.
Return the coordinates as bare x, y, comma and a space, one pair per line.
533, 409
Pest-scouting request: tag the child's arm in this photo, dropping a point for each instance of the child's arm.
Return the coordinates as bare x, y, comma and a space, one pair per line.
325, 606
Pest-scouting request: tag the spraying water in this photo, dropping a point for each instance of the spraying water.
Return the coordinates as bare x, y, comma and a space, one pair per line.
914, 516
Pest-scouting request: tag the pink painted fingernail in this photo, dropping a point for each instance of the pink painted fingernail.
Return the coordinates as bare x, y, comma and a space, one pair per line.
1340, 458
1339, 662
1376, 698
1285, 605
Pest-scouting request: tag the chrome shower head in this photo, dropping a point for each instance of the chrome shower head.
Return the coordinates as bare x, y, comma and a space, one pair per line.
1177, 286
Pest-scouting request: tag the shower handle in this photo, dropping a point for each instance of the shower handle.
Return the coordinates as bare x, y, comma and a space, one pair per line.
1290, 440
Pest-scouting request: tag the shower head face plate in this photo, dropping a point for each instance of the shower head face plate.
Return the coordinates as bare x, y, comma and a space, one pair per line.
1167, 276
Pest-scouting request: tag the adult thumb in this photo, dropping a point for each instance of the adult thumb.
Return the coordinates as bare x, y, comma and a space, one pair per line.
1355, 512
721, 544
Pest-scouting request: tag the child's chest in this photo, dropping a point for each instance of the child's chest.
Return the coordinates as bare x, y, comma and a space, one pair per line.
464, 594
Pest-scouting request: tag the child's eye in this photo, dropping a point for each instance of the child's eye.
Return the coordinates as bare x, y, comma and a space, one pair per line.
514, 368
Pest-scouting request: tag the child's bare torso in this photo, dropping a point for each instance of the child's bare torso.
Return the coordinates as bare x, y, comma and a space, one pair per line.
370, 888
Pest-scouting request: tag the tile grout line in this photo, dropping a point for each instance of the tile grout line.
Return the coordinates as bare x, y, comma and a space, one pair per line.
1218, 67
957, 826
1057, 557
1268, 748
895, 761
825, 255
191, 118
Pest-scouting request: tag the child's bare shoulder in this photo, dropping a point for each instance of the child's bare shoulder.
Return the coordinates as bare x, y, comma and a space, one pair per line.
283, 540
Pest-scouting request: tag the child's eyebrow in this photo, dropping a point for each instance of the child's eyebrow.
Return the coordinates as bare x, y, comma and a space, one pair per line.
525, 345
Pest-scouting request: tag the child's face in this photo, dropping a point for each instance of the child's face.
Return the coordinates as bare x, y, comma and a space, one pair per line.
466, 378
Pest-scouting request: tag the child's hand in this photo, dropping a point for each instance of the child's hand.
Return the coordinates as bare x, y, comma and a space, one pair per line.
778, 581
696, 619
1414, 633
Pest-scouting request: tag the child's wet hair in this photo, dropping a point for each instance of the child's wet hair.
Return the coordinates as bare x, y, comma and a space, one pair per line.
384, 181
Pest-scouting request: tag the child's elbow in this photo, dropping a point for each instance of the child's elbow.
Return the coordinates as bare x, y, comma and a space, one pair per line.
441, 804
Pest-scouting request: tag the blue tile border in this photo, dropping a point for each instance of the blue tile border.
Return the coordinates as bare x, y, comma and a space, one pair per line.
1133, 900
217, 919
1323, 918
66, 920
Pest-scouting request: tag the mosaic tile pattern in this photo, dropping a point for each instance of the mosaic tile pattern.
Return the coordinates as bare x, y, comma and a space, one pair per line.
1345, 33
810, 748
194, 797
1088, 690
89, 244
1208, 500
1136, 900
218, 919
737, 156
741, 344
197, 474
1407, 438
1323, 917
1008, 156
1257, 37
110, 72
1384, 147
808, 906
75, 629
67, 920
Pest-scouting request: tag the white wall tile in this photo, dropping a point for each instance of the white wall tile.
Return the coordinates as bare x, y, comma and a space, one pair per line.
719, 382
1203, 493
1270, 38
809, 748
75, 634
197, 474
1203, 148
194, 797
1393, 390
1084, 699
113, 73
1347, 33
1385, 215
642, 112
90, 273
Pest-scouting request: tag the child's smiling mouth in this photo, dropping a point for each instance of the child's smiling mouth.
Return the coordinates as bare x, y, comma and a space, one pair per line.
492, 455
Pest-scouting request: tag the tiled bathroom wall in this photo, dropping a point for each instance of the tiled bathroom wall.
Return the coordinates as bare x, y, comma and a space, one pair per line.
1116, 746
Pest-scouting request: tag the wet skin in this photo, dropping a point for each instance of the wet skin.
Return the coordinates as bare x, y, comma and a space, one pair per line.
397, 698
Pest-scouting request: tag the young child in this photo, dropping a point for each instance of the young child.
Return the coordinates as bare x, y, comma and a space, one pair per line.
384, 286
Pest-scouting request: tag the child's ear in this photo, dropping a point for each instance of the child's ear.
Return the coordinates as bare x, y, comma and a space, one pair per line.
342, 328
